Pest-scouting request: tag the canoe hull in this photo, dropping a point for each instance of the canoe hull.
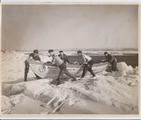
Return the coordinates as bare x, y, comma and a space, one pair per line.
52, 71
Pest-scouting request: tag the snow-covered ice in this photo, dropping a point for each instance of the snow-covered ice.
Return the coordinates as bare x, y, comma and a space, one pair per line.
117, 92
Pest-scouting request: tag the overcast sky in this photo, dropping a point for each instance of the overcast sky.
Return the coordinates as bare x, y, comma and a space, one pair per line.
26, 27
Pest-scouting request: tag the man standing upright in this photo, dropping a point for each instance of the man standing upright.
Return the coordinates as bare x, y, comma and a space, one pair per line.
57, 61
87, 64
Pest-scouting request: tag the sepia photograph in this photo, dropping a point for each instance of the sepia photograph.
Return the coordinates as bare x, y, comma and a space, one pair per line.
70, 59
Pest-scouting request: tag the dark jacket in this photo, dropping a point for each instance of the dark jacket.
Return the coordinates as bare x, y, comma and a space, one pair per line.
64, 57
110, 59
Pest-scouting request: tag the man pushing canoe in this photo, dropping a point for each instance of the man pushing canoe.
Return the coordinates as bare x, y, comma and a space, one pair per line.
87, 64
32, 56
57, 61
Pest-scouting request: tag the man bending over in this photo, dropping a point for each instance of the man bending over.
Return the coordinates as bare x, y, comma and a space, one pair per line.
32, 56
64, 57
87, 64
57, 61
112, 62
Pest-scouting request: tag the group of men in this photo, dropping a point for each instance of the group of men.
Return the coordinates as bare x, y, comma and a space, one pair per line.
62, 59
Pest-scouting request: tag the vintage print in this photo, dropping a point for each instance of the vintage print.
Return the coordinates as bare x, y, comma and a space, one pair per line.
70, 59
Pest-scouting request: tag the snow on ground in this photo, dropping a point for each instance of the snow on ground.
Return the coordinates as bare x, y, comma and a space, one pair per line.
13, 65
115, 92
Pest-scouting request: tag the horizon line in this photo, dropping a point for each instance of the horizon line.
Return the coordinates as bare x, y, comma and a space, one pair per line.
135, 49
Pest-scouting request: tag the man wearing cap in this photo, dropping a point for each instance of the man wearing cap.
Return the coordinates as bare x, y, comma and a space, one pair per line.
32, 56
112, 62
56, 60
64, 57
87, 64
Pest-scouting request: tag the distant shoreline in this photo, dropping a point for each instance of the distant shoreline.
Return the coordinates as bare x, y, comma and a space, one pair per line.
89, 51
74, 49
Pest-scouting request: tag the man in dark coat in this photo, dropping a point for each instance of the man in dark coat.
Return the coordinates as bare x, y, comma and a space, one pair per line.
64, 57
112, 62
